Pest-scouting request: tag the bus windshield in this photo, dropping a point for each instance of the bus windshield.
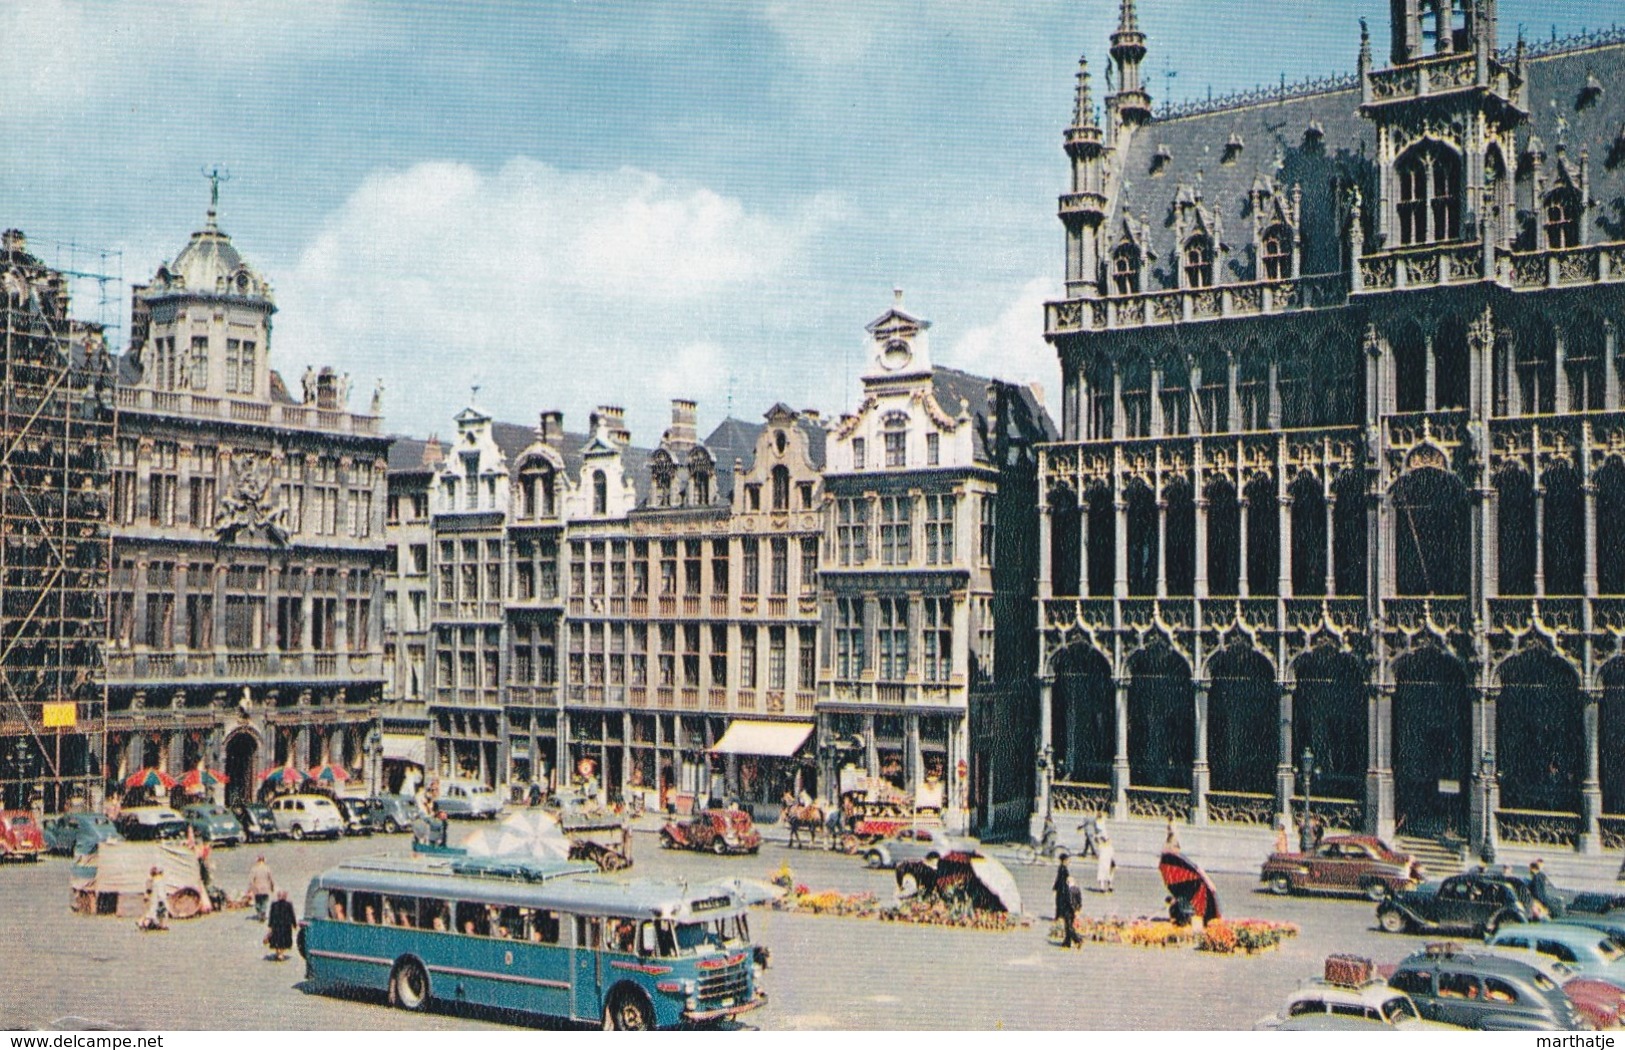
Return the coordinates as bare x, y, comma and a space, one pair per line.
678, 939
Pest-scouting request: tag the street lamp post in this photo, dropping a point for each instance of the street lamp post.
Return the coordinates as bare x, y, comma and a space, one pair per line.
1486, 777
373, 749
1306, 773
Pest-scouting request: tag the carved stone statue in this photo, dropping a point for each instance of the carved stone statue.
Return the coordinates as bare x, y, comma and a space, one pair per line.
309, 383
378, 398
251, 502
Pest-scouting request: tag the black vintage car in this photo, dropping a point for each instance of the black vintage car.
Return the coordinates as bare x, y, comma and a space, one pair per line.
1483, 991
357, 816
392, 813
1476, 903
258, 823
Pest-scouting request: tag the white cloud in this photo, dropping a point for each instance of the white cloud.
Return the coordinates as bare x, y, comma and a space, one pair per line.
548, 288
1012, 345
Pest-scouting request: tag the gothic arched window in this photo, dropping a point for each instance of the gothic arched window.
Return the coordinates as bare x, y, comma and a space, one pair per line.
1562, 213
1277, 253
1199, 262
1126, 270
1429, 194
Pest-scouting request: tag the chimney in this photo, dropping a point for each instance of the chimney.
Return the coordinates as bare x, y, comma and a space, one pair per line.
434, 453
550, 431
613, 418
684, 430
812, 415
13, 241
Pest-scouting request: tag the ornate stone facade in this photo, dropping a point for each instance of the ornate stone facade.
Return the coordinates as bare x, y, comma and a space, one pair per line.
1343, 483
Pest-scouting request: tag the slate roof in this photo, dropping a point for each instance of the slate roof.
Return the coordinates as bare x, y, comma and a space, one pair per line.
950, 386
1275, 143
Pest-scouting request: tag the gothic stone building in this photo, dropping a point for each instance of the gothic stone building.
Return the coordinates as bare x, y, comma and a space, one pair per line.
926, 583
1343, 443
248, 537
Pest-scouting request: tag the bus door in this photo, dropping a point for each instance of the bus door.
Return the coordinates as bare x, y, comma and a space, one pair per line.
587, 967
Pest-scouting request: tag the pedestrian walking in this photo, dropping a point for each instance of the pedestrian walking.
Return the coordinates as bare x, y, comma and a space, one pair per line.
1105, 863
279, 938
152, 918
437, 828
1091, 831
1282, 843
1540, 884
1170, 844
260, 885
1066, 906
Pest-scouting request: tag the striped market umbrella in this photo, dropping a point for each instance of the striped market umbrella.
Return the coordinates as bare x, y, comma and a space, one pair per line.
203, 777
283, 776
328, 773
150, 778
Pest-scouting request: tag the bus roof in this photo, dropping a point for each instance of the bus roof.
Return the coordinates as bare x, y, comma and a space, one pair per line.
560, 885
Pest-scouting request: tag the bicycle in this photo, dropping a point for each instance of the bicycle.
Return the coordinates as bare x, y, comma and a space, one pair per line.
1036, 851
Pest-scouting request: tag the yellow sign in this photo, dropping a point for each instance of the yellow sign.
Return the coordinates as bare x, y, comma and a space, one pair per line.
61, 716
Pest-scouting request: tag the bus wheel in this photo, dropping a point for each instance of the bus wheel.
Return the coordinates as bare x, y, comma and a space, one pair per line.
628, 1011
409, 985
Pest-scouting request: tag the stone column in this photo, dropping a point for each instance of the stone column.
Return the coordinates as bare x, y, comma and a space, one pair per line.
1083, 546
1201, 547
1275, 395
1120, 767
1120, 582
1490, 552
1162, 548
1243, 586
1590, 538
1118, 423
1560, 389
1200, 776
1045, 546
1331, 545
1232, 404
1046, 753
1610, 386
1430, 395
1284, 785
1284, 511
1540, 539
1379, 781
1158, 424
1591, 787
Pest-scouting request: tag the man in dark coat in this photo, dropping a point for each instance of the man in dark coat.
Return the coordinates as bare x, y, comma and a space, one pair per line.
1066, 907
1540, 884
282, 922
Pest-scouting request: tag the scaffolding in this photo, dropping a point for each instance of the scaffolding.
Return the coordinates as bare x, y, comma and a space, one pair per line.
57, 431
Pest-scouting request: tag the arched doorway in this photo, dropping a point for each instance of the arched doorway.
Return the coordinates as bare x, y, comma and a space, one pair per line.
1329, 715
242, 749
1161, 718
1432, 743
1540, 733
1083, 716
1430, 520
1243, 704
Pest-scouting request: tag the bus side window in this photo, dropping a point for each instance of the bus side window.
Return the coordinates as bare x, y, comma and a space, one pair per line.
433, 916
588, 932
508, 925
544, 927
621, 935
471, 919
404, 910
335, 905
365, 907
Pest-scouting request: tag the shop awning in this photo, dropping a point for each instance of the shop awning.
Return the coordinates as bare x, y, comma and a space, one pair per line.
769, 739
399, 747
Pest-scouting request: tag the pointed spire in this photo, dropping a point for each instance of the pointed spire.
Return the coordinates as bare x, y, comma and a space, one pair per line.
1083, 110
1127, 21
1365, 46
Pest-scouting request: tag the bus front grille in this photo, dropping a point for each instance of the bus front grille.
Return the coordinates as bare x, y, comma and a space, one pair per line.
731, 983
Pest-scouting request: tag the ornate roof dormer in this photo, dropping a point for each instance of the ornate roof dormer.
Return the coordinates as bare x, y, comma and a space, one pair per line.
899, 344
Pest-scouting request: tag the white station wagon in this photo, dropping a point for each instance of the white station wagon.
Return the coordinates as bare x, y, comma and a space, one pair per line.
301, 815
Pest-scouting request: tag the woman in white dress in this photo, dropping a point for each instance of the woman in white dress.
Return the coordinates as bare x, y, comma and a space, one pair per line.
1105, 860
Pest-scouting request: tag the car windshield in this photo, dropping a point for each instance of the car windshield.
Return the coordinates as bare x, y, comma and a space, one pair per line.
702, 938
1399, 1009
1541, 981
1608, 950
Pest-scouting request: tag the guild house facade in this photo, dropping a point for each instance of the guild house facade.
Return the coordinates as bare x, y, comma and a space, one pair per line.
1344, 443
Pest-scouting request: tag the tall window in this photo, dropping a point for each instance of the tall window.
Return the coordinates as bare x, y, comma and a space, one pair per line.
939, 530
781, 488
693, 566
600, 493
1429, 194
1562, 218
239, 364
937, 639
896, 438
807, 658
199, 369
1199, 262
750, 551
852, 530
859, 454
719, 567
1126, 270
988, 521
891, 637
809, 564
896, 527
668, 566
849, 655
776, 655
779, 566
1277, 253
933, 449
747, 656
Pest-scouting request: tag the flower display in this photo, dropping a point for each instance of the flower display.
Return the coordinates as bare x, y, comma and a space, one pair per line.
1222, 937
959, 913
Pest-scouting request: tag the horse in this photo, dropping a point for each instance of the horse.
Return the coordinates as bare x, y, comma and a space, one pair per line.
799, 818
951, 878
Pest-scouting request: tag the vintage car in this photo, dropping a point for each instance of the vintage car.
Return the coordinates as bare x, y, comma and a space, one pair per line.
1484, 991
20, 835
914, 843
213, 824
1588, 952
718, 831
458, 798
151, 823
1602, 1004
1354, 992
298, 816
1476, 903
357, 817
1594, 902
391, 813
1343, 864
76, 834
257, 820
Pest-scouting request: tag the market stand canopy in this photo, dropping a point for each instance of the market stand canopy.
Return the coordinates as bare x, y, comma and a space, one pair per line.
767, 739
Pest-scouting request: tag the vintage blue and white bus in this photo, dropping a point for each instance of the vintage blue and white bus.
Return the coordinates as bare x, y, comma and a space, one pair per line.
554, 938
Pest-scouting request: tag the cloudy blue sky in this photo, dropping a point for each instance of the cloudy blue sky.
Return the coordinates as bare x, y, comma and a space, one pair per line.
577, 203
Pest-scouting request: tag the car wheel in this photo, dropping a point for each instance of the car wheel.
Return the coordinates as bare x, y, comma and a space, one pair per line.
391, 827
719, 847
296, 833
409, 986
628, 1011
874, 859
1376, 890
1392, 920
1280, 885
666, 841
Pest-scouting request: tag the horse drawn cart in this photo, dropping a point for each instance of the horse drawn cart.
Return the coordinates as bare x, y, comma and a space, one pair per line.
605, 841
